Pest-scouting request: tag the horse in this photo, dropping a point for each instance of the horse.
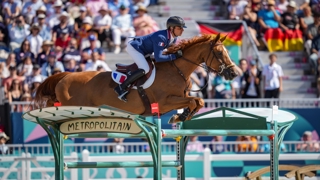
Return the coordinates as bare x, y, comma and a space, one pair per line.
170, 88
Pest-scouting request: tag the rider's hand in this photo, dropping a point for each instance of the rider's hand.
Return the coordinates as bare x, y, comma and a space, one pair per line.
178, 54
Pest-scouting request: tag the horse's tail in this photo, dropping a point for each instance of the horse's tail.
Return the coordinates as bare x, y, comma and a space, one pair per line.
46, 91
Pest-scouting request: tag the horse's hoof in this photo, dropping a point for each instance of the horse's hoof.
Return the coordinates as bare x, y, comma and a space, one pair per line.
174, 119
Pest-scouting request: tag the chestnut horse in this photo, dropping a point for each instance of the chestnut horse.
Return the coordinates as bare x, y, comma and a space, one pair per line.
169, 89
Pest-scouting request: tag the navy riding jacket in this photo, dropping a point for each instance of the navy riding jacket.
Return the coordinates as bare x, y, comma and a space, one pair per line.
154, 43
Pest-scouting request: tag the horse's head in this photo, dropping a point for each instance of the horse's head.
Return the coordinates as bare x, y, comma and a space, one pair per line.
219, 60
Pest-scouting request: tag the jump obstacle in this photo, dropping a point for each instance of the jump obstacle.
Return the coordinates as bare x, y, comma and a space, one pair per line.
96, 122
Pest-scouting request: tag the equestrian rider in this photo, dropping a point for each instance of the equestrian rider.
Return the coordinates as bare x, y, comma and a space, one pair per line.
156, 43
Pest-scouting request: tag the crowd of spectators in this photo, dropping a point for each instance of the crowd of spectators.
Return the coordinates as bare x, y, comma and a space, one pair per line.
40, 38
287, 15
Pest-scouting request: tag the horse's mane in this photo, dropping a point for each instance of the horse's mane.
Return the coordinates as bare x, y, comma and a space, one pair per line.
185, 43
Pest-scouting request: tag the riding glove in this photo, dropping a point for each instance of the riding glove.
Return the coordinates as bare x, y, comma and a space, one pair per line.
178, 54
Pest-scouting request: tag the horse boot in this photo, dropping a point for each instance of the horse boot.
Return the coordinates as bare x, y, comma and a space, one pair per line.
122, 89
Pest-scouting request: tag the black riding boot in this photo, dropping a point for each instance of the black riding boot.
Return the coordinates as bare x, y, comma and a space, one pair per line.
121, 90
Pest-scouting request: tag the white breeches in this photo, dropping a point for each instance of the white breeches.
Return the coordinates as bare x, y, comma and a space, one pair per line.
116, 34
138, 58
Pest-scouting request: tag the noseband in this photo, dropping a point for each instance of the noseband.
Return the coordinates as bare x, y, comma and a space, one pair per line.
222, 66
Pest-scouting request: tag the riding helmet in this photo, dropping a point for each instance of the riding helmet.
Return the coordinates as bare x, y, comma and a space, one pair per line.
175, 21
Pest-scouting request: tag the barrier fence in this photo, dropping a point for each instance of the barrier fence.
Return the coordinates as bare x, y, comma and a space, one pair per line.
167, 147
25, 166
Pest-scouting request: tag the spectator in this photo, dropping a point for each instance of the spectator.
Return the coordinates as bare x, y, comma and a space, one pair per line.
102, 24
203, 81
72, 52
143, 23
78, 21
290, 20
30, 7
56, 71
45, 30
84, 30
25, 68
312, 32
63, 39
133, 5
85, 42
54, 17
122, 27
43, 55
222, 88
118, 148
249, 144
25, 50
250, 17
11, 9
12, 76
307, 19
87, 52
18, 31
3, 147
36, 71
62, 27
272, 77
282, 6
11, 61
194, 145
304, 3
215, 146
269, 17
114, 6
236, 8
93, 6
71, 66
94, 62
26, 97
4, 35
243, 65
308, 144
35, 39
195, 85
253, 78
52, 63
42, 10
315, 51
15, 93
36, 81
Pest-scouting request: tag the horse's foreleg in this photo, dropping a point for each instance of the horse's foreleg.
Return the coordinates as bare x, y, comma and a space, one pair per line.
200, 104
177, 102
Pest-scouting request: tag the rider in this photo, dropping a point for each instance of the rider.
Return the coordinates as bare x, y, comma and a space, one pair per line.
156, 43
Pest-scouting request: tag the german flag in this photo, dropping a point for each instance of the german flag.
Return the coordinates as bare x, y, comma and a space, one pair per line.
293, 40
233, 30
274, 39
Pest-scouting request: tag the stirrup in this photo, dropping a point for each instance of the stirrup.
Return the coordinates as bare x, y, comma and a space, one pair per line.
122, 97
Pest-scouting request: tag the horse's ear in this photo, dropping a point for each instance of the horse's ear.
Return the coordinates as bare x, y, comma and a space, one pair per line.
223, 38
216, 39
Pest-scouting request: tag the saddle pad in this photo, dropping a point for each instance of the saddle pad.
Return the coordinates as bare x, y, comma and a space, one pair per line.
119, 78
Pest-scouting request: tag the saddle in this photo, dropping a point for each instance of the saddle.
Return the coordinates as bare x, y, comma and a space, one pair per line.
127, 69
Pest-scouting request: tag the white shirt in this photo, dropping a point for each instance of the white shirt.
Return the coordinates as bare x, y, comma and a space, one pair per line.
100, 21
239, 8
123, 22
272, 74
35, 43
92, 66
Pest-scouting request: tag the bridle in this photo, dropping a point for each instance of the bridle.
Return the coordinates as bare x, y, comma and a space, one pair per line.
207, 68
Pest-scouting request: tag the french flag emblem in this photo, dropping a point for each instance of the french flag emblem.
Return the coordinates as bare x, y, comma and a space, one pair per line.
161, 44
118, 77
